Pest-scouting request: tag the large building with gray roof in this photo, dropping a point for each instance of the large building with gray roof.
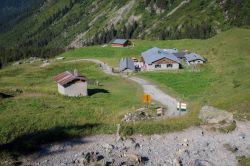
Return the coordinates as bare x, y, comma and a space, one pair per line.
160, 59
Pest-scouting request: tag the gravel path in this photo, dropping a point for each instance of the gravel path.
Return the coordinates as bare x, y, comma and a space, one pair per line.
105, 67
149, 88
159, 96
191, 147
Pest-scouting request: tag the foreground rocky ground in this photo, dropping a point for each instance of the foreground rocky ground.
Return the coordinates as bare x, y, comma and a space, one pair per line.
195, 146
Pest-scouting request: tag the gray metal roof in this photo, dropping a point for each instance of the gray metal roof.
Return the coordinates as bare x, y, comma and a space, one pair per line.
192, 57
171, 50
181, 54
127, 63
155, 54
119, 41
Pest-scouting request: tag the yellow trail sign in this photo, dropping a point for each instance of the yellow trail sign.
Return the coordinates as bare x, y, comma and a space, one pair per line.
147, 99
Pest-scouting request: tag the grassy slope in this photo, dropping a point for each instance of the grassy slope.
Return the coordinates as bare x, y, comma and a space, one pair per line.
223, 82
40, 115
40, 107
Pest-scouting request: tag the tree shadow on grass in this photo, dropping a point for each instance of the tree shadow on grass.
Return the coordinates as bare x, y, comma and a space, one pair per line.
92, 92
5, 96
29, 143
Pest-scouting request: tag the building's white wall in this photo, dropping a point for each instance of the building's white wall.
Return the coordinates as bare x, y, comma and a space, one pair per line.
163, 67
139, 64
195, 62
61, 89
74, 90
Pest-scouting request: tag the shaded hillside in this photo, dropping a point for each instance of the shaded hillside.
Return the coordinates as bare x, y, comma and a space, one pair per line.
76, 23
13, 11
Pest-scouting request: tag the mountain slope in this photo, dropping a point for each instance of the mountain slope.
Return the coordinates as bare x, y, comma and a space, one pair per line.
11, 12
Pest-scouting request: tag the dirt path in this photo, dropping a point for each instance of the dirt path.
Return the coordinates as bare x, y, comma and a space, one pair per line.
105, 67
189, 148
149, 88
159, 96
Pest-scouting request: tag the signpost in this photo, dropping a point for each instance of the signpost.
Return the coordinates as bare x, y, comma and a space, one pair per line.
182, 107
147, 99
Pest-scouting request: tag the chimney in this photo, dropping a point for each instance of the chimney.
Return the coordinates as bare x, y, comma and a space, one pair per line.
76, 72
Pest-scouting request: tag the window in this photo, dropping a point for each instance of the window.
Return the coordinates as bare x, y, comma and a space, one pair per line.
158, 66
169, 65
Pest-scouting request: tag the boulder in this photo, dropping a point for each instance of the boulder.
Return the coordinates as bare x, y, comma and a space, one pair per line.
137, 146
89, 157
139, 115
176, 162
185, 142
213, 115
17, 63
134, 158
108, 146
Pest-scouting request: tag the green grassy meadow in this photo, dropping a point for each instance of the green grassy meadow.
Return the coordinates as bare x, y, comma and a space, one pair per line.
224, 81
40, 115
40, 106
34, 113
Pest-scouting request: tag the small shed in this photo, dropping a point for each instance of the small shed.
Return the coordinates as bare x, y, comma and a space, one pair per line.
193, 58
120, 43
72, 84
127, 65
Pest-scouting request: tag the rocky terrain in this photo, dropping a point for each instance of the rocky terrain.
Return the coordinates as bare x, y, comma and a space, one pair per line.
194, 146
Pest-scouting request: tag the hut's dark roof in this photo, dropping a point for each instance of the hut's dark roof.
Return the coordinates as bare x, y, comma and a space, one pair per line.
68, 77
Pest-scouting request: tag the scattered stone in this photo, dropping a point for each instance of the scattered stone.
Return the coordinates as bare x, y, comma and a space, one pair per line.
140, 114
185, 142
169, 149
110, 163
17, 63
108, 146
177, 162
45, 64
242, 135
199, 162
88, 158
134, 158
137, 146
46, 61
60, 58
